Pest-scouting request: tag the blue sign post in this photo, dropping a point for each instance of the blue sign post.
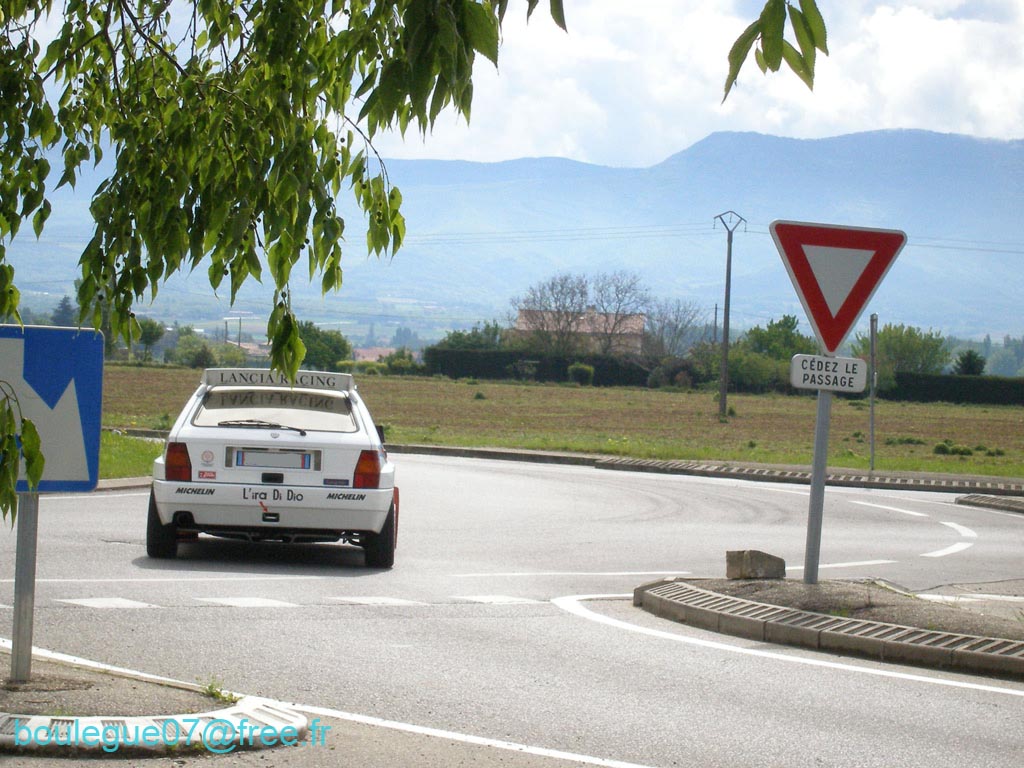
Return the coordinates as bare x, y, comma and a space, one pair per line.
57, 376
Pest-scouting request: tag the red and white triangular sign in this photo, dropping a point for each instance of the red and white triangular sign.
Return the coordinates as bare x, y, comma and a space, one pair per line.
835, 271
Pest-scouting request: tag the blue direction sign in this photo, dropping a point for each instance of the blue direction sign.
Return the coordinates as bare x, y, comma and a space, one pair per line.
57, 374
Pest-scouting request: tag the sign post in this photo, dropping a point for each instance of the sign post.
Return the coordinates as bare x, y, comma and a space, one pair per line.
57, 376
835, 271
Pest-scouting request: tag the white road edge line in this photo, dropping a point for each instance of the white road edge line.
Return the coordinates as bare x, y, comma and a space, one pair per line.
951, 550
967, 533
464, 738
571, 573
844, 565
572, 604
890, 509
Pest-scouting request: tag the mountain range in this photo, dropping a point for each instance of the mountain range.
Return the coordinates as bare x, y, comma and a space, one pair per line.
480, 234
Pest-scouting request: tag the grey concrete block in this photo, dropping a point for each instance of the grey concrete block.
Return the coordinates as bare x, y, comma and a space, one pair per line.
753, 564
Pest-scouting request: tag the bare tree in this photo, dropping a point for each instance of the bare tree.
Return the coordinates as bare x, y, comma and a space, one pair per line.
672, 327
620, 300
552, 312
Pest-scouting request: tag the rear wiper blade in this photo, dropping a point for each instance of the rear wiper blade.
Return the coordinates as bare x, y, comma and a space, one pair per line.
259, 424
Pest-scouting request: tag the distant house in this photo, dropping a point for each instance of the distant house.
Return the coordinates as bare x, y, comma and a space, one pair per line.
591, 331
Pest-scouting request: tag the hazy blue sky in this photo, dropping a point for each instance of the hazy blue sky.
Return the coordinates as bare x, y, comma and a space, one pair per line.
636, 81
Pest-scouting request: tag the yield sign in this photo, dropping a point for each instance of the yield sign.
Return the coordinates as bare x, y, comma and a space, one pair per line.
835, 271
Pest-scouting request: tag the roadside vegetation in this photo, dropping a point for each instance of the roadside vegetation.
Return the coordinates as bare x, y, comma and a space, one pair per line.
625, 421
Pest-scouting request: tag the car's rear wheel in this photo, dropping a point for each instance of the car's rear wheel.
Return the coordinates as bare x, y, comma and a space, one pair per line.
161, 540
379, 548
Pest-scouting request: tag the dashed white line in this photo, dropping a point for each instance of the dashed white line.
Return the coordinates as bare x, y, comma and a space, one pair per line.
952, 550
247, 602
106, 602
380, 601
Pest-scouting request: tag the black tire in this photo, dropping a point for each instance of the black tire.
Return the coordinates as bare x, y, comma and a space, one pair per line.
379, 548
161, 540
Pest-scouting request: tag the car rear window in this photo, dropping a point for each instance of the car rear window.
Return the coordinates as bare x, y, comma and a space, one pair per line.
293, 408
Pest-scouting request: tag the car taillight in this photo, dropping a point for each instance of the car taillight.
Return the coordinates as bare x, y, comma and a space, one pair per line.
177, 465
367, 470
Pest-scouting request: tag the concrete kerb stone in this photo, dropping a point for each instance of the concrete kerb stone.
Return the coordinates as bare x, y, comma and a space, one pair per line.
252, 723
886, 642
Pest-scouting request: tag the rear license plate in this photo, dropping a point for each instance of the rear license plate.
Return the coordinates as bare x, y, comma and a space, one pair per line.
276, 459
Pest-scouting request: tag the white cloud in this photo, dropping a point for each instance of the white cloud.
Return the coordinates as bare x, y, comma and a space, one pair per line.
632, 83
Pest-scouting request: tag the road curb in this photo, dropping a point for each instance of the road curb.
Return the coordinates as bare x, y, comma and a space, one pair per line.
681, 601
252, 723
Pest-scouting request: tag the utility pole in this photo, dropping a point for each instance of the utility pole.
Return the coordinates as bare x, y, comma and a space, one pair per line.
730, 220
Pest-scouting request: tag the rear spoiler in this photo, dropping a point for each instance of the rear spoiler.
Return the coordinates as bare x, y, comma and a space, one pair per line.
263, 377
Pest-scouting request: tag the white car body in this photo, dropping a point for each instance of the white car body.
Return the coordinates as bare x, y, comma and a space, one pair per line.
255, 457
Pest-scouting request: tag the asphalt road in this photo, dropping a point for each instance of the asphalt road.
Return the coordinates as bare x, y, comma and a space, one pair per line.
481, 629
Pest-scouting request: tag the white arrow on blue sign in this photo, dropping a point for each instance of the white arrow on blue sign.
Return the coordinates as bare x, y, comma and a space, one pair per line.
57, 374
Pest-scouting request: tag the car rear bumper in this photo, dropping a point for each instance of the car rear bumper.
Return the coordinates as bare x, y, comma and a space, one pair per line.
227, 507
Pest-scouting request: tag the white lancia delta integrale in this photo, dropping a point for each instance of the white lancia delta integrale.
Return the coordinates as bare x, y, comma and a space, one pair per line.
257, 458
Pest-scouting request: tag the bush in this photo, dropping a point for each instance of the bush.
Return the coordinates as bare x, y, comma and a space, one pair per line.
582, 374
755, 372
676, 372
370, 368
927, 388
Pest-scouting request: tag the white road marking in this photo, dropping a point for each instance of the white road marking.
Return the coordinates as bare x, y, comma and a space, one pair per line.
952, 550
861, 564
890, 509
497, 599
174, 579
570, 573
967, 533
386, 601
572, 604
949, 598
463, 738
106, 602
1004, 598
247, 602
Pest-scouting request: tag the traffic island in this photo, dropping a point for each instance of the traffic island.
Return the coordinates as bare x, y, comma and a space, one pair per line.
846, 617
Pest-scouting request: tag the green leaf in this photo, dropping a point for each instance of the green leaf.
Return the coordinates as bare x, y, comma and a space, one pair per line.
804, 38
31, 450
816, 24
797, 63
558, 14
481, 29
738, 54
40, 217
773, 27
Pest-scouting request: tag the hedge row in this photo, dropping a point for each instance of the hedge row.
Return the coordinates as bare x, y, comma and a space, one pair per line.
507, 364
985, 390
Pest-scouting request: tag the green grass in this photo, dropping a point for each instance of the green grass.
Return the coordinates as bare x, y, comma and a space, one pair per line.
642, 423
123, 456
